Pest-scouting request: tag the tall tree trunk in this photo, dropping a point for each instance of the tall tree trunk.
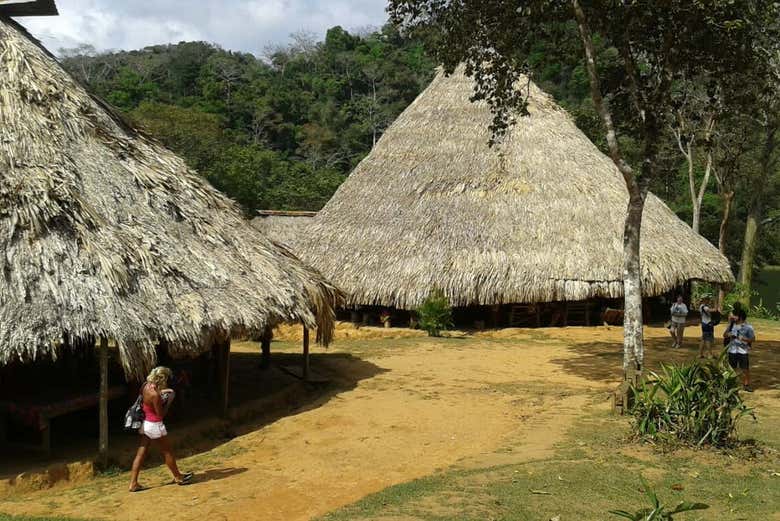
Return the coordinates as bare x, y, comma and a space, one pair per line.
699, 197
756, 210
633, 345
633, 339
728, 198
749, 251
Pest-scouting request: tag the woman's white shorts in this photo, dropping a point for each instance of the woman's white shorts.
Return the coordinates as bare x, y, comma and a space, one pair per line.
153, 430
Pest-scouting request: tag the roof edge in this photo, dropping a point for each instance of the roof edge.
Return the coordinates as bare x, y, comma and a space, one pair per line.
285, 213
29, 8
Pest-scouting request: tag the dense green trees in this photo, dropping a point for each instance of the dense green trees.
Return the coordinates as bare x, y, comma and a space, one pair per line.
280, 132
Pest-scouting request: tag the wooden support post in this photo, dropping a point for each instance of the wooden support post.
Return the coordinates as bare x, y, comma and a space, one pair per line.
265, 347
538, 315
566, 313
587, 313
46, 436
305, 354
103, 446
222, 351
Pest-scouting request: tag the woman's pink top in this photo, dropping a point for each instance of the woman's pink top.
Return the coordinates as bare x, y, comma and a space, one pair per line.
150, 414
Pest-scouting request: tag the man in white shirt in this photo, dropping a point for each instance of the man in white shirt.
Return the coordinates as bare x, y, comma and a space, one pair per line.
741, 337
679, 315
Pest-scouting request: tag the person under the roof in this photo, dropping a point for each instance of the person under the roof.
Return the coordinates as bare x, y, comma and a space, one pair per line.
679, 315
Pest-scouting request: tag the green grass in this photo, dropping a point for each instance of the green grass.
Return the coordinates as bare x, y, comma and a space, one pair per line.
597, 470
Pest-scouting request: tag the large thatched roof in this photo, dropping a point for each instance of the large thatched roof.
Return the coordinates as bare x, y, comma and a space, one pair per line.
106, 233
539, 218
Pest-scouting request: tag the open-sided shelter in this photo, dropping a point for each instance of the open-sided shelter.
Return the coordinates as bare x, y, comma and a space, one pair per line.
108, 236
536, 218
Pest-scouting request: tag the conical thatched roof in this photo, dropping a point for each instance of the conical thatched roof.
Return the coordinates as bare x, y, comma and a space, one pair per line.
106, 233
539, 218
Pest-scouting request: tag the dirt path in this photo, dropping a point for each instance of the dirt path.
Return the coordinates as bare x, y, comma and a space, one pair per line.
434, 404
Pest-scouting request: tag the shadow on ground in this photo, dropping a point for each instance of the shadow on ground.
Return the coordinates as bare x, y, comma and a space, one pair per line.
258, 397
603, 361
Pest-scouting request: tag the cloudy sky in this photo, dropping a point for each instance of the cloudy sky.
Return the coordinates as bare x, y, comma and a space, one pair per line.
245, 25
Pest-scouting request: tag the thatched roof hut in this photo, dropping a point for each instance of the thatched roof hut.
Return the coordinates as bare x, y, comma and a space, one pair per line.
105, 233
537, 219
279, 225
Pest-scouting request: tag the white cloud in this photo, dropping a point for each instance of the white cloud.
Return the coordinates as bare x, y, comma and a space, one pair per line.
245, 25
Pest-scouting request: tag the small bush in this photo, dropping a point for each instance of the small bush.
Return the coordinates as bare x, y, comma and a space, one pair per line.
760, 311
701, 290
695, 403
435, 314
738, 294
656, 511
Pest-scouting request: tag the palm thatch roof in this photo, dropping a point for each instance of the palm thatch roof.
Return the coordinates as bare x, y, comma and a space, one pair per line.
279, 225
539, 218
105, 233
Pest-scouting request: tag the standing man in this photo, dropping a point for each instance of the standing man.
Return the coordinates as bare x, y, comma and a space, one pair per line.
741, 337
679, 315
707, 326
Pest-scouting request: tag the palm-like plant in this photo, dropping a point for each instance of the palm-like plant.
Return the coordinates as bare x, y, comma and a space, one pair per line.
657, 511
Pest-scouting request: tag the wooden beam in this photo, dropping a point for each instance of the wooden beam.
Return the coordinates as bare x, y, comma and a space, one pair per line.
538, 316
495, 314
103, 445
265, 348
305, 354
223, 374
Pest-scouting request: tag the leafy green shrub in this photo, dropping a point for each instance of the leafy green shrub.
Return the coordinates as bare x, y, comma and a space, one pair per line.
701, 290
738, 294
435, 314
760, 311
694, 403
657, 511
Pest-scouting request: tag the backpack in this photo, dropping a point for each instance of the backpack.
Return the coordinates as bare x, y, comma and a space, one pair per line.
134, 417
715, 318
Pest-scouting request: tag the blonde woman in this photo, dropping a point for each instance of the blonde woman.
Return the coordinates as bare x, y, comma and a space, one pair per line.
157, 398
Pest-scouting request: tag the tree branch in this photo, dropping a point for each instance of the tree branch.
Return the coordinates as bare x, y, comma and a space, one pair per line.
602, 107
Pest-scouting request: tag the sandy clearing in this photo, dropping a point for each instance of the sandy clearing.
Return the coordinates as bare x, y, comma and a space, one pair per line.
434, 404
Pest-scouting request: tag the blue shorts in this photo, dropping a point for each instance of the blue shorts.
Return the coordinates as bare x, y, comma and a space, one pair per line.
708, 332
739, 361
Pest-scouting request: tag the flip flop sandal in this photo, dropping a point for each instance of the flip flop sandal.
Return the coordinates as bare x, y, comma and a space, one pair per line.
186, 479
139, 488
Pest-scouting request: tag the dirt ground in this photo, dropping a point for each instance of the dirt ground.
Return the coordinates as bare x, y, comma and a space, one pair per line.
419, 406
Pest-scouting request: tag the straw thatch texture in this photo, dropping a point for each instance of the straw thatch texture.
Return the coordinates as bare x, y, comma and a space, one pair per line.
539, 218
279, 226
106, 233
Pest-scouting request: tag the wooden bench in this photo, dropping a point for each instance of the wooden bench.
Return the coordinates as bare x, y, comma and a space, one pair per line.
40, 412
